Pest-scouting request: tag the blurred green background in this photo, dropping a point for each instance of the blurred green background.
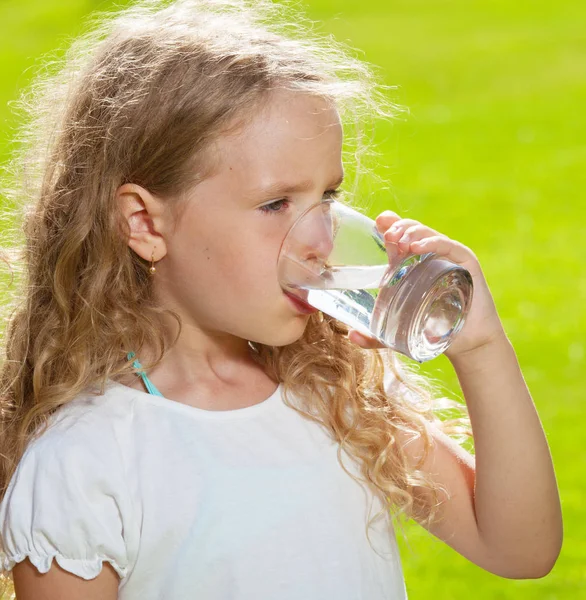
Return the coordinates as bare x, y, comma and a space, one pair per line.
493, 153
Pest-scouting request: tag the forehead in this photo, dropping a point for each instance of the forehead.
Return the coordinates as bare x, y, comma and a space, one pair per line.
293, 135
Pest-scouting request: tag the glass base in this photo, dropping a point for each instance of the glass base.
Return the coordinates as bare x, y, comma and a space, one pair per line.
422, 306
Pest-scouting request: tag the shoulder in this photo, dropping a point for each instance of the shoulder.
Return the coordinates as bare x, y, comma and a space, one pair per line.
91, 428
91, 414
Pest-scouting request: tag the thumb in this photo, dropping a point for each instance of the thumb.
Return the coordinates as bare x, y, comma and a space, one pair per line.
362, 340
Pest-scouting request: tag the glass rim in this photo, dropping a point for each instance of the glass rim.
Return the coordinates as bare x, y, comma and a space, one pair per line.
301, 216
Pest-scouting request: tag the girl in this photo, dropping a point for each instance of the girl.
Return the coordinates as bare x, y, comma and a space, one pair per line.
172, 426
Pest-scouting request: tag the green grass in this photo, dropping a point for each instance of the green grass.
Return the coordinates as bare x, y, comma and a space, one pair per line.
493, 155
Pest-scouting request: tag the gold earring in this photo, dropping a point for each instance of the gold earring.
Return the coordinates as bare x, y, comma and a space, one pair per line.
152, 269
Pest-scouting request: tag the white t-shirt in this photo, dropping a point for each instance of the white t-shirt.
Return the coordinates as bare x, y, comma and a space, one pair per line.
193, 504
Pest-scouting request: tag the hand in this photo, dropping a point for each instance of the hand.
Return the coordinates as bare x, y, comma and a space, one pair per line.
406, 236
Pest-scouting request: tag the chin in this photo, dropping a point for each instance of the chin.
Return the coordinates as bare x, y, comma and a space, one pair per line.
286, 335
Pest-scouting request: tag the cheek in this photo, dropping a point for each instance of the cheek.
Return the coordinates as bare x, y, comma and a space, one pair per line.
237, 260
248, 265
255, 267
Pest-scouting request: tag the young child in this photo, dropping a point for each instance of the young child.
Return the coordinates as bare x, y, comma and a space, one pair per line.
172, 425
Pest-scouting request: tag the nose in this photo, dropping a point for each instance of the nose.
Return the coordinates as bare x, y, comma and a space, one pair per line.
314, 235
306, 248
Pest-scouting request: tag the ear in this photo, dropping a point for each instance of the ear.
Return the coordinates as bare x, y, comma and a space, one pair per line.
148, 220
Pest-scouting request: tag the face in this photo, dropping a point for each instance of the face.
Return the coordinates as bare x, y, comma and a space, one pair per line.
220, 270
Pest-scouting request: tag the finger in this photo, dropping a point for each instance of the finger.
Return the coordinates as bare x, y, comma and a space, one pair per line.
415, 233
363, 341
394, 233
386, 219
444, 246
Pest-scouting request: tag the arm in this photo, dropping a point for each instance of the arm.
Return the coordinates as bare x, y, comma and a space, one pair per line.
58, 584
504, 513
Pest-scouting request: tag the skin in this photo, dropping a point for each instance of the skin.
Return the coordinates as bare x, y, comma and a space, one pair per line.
58, 584
224, 240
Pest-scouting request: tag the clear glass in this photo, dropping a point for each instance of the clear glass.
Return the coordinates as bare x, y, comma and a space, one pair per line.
334, 258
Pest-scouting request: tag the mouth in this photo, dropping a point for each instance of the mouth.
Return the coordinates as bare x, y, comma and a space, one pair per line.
299, 300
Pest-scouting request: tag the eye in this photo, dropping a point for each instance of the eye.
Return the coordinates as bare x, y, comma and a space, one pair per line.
277, 205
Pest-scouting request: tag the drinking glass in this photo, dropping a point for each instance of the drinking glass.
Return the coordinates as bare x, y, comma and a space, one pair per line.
334, 259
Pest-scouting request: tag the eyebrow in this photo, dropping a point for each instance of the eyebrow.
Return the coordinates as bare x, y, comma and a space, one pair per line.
280, 188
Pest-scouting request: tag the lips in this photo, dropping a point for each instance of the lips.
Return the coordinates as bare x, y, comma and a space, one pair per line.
300, 300
299, 295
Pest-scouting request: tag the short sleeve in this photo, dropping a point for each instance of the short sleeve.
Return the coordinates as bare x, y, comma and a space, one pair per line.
67, 501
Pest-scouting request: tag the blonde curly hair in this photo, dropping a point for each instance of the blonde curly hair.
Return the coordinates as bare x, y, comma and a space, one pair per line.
138, 99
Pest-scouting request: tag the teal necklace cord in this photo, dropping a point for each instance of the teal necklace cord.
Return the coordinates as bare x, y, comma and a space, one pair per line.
149, 386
